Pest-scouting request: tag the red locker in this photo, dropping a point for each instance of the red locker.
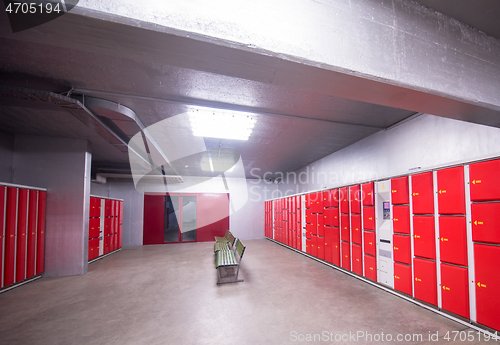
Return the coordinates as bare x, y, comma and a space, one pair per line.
40, 243
400, 191
329, 244
311, 230
369, 218
425, 280
334, 198
423, 199
95, 207
401, 219
455, 289
308, 200
108, 209
107, 244
331, 216
321, 227
402, 278
314, 246
22, 238
424, 237
10, 236
486, 222
108, 223
371, 267
356, 228
357, 259
94, 227
451, 191
483, 178
346, 255
2, 230
320, 243
453, 240
345, 228
344, 200
327, 201
487, 264
336, 246
318, 202
308, 245
370, 243
93, 248
402, 249
368, 194
31, 255
355, 198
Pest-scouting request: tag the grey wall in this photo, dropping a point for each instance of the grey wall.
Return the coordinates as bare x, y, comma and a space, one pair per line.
63, 167
426, 142
6, 156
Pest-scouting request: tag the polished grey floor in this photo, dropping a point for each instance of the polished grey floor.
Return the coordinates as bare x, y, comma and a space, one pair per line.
167, 294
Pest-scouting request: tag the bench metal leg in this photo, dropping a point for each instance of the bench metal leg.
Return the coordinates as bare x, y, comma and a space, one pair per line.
227, 274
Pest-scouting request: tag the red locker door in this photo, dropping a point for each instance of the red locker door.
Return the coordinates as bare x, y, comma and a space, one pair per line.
336, 246
453, 240
400, 191
355, 198
455, 289
484, 184
357, 259
22, 238
328, 216
327, 199
311, 230
94, 227
93, 249
369, 218
402, 249
371, 267
321, 225
370, 243
31, 256
40, 242
425, 280
356, 228
401, 219
108, 226
334, 198
318, 202
402, 278
486, 222
329, 244
423, 199
451, 191
346, 255
345, 228
424, 233
94, 207
107, 243
308, 200
2, 230
487, 263
314, 246
344, 200
108, 208
368, 194
320, 243
308, 245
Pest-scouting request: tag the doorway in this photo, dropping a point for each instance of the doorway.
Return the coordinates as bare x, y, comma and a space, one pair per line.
180, 219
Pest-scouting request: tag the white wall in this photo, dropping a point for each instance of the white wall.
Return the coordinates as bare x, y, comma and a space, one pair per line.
426, 142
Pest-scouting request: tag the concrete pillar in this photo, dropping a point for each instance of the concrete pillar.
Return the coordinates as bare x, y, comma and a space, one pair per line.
62, 166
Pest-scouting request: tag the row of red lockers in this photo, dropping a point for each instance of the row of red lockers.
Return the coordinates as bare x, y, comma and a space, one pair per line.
113, 226
22, 234
452, 232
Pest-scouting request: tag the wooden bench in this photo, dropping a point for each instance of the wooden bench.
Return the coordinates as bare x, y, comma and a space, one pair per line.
228, 264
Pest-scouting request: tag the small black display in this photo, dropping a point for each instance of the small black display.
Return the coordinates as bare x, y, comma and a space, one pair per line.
387, 210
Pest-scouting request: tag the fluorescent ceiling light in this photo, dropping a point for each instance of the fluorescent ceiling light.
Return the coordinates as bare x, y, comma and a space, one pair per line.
222, 124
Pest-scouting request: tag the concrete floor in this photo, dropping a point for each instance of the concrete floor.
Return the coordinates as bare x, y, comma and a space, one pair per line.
168, 295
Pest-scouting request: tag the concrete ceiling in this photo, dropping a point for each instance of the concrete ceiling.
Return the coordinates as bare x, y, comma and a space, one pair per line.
303, 115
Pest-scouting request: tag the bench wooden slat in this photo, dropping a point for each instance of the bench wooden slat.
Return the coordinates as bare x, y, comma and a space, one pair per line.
220, 246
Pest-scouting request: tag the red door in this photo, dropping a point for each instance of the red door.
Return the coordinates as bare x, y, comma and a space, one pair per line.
369, 218
336, 246
329, 244
22, 238
455, 289
154, 219
368, 194
424, 237
31, 257
344, 200
355, 198
346, 255
356, 228
425, 280
357, 259
484, 184
402, 249
401, 219
400, 191
422, 196
40, 243
10, 236
2, 230
371, 267
334, 198
453, 240
402, 278
487, 262
486, 222
370, 243
451, 191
